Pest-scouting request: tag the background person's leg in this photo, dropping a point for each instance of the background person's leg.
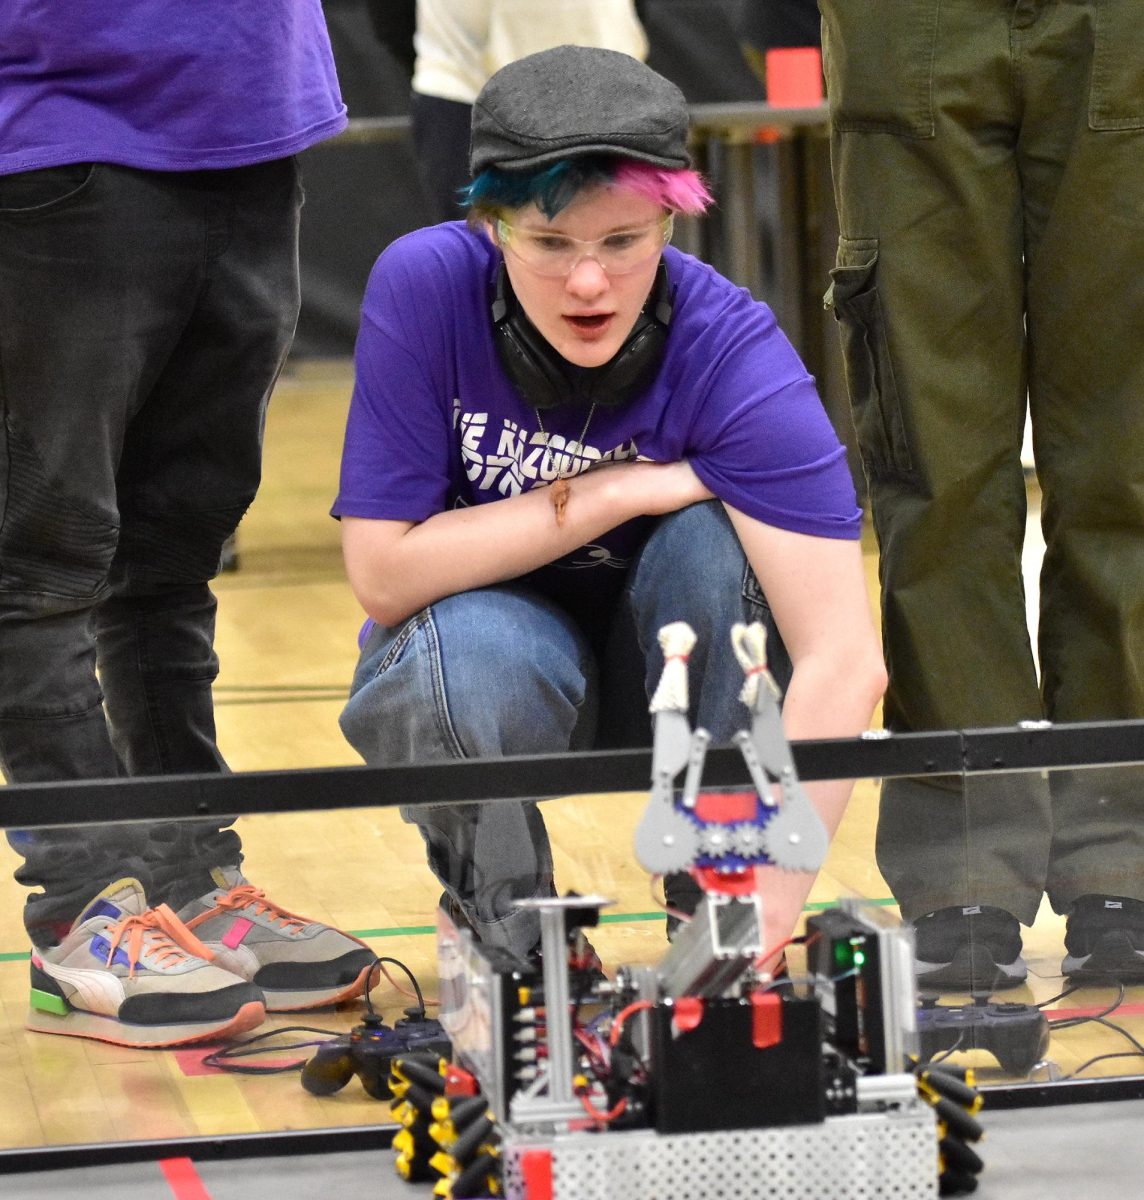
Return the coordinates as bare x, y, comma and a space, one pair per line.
441, 140
929, 292
85, 312
488, 673
191, 466
129, 457
1084, 218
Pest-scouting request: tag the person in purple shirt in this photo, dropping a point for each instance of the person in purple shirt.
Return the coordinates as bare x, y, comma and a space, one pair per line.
149, 204
563, 435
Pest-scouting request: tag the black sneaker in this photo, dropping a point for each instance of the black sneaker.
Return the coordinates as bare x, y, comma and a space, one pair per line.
682, 895
585, 969
975, 948
1104, 937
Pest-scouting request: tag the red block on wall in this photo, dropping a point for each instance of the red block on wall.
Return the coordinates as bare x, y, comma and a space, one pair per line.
794, 77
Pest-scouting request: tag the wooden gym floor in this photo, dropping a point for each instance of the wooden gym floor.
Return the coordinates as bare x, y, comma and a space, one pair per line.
287, 641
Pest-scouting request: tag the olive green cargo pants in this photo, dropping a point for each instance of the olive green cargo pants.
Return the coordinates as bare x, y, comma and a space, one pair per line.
989, 172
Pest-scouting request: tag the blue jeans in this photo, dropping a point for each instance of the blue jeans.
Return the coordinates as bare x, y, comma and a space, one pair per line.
503, 671
144, 317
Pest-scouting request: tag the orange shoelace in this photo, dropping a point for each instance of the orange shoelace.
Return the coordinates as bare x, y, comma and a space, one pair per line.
246, 895
157, 932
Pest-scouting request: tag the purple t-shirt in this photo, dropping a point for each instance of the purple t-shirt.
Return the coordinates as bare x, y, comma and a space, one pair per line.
435, 423
163, 86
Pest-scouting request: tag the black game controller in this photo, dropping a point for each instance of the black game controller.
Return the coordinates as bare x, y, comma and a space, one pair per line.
1017, 1035
366, 1052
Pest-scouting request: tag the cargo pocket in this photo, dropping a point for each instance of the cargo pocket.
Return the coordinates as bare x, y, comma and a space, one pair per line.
1116, 100
878, 59
874, 402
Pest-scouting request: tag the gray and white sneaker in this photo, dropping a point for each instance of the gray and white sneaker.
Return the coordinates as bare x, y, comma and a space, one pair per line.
298, 963
136, 976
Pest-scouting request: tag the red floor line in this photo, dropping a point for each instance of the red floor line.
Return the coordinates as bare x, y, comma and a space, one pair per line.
1122, 1010
183, 1179
190, 1061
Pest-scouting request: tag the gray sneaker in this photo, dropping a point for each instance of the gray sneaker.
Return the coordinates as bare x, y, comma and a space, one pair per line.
136, 976
298, 963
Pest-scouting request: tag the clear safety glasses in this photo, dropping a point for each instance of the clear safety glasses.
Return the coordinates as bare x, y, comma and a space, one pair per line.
557, 254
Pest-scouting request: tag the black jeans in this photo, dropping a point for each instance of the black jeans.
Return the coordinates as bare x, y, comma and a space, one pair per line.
441, 141
144, 317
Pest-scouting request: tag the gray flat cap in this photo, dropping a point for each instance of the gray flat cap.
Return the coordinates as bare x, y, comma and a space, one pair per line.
577, 100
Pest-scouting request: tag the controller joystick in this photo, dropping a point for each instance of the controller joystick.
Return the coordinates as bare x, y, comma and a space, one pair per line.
366, 1051
1017, 1035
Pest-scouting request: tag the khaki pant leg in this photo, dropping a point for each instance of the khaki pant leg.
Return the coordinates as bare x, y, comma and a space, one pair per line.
1082, 162
929, 292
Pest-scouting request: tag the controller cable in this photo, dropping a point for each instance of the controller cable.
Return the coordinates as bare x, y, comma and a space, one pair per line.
224, 1059
1071, 1022
1098, 1019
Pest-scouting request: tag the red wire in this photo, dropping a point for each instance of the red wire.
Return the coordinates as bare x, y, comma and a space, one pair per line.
793, 940
601, 1117
622, 1016
776, 949
594, 1048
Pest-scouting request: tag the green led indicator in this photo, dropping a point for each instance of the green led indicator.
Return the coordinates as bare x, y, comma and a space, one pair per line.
849, 955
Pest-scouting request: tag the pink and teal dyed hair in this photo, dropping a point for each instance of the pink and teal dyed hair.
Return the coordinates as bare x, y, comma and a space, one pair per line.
679, 190
553, 188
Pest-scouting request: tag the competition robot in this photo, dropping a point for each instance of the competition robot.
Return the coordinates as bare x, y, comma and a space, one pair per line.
710, 1074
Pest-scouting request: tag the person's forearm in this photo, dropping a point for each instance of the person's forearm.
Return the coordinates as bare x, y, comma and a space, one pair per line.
832, 701
834, 691
467, 548
820, 703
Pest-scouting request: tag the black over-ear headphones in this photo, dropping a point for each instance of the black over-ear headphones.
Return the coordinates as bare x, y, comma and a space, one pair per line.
544, 378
